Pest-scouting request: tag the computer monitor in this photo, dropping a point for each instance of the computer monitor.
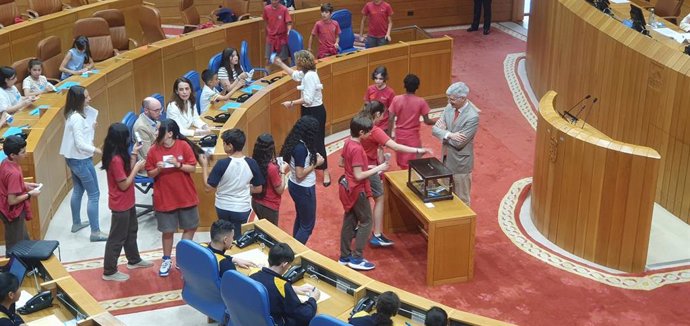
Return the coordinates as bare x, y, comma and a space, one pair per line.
16, 267
637, 18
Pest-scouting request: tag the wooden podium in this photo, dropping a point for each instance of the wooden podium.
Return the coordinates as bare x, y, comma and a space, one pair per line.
449, 225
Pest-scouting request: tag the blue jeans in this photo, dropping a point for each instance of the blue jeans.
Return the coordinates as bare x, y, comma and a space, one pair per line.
305, 206
84, 178
236, 218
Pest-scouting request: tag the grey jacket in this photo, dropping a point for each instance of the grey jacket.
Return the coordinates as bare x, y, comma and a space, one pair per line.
459, 157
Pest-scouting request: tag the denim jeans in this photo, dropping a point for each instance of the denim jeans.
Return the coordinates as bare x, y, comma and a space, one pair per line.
305, 207
236, 218
84, 179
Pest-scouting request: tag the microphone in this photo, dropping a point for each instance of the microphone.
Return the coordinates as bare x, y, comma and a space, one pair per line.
568, 116
590, 110
577, 115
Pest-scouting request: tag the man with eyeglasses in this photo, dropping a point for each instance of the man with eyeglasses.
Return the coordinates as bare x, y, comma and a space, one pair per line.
147, 125
456, 129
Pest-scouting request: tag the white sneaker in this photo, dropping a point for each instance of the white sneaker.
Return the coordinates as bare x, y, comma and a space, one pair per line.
165, 267
117, 277
140, 264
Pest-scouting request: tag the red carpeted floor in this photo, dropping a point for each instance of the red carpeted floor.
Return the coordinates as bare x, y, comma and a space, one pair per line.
508, 284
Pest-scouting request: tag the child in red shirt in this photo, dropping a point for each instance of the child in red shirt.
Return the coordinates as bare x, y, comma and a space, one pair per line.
379, 13
170, 162
373, 146
327, 31
278, 25
381, 92
354, 190
267, 203
121, 169
15, 194
407, 109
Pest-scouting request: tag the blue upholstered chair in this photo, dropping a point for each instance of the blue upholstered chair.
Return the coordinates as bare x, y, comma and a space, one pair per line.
295, 43
160, 99
246, 300
214, 65
143, 184
246, 63
347, 36
194, 77
201, 288
325, 320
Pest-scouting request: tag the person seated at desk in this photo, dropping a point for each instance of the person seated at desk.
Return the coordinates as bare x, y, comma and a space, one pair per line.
436, 317
35, 83
10, 99
286, 307
9, 295
387, 305
209, 94
147, 125
222, 232
182, 109
230, 73
78, 59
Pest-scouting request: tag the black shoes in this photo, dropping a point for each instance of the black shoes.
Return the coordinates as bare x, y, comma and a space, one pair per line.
473, 29
487, 31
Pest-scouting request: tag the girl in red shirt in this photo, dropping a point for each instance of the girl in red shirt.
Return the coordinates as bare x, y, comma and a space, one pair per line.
170, 162
267, 203
121, 169
380, 91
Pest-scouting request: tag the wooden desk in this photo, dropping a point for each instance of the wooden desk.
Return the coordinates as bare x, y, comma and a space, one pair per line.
449, 225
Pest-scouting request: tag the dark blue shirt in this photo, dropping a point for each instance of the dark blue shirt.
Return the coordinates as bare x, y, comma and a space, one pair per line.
286, 308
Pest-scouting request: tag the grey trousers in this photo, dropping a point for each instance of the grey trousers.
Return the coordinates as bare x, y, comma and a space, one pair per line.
360, 214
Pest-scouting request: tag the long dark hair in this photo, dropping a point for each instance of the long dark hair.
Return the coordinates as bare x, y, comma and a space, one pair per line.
225, 62
304, 130
387, 306
264, 153
176, 98
82, 43
75, 101
117, 144
6, 72
169, 125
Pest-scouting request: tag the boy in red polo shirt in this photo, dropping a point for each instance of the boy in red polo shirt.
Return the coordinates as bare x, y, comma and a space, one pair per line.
327, 31
355, 191
278, 25
379, 13
15, 194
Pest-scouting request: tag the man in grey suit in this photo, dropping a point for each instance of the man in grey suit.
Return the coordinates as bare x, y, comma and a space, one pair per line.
456, 129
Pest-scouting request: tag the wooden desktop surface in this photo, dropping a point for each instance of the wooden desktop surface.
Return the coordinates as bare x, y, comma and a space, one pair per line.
641, 83
449, 224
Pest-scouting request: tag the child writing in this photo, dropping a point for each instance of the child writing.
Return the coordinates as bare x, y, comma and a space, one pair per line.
209, 94
355, 190
327, 31
35, 83
78, 59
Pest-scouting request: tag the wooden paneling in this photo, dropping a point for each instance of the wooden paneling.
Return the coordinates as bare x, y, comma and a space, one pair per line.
23, 38
591, 195
430, 13
642, 85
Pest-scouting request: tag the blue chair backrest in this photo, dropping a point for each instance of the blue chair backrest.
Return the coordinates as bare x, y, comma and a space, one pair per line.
325, 320
244, 57
246, 300
295, 43
214, 62
347, 36
129, 120
193, 77
201, 288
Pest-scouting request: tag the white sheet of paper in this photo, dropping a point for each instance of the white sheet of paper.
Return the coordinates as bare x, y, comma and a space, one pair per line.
324, 296
23, 298
165, 161
256, 256
620, 1
678, 37
91, 114
51, 320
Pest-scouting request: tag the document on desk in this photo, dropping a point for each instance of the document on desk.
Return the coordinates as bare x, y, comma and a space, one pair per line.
23, 298
255, 256
620, 1
51, 320
324, 296
678, 37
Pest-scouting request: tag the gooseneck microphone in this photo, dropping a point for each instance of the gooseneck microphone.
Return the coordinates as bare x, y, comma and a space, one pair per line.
590, 110
569, 116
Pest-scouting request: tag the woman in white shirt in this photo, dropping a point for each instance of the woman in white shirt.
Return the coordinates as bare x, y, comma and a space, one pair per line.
10, 99
182, 109
230, 72
78, 149
311, 101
